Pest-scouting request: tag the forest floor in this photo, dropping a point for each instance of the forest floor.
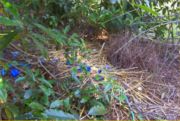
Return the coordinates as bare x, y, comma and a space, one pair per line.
148, 98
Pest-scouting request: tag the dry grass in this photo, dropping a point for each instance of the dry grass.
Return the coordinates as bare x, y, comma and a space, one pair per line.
152, 95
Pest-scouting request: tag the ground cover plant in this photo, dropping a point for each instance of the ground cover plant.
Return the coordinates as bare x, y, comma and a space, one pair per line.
89, 59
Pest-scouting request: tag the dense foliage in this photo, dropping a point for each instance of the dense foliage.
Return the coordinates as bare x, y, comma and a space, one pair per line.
40, 24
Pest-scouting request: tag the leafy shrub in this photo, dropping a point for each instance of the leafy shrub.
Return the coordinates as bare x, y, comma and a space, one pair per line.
26, 31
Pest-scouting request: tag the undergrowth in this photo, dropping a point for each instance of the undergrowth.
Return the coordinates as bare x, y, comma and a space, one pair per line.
84, 93
27, 94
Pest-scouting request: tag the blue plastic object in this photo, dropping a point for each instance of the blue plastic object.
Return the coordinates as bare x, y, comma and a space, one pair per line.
99, 71
88, 68
14, 72
15, 54
3, 72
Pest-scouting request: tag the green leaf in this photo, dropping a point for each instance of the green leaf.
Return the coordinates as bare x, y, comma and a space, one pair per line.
107, 87
54, 34
20, 79
40, 45
3, 95
8, 113
66, 29
27, 94
13, 109
10, 8
58, 114
98, 77
122, 98
46, 82
1, 83
47, 91
45, 100
74, 76
84, 99
66, 103
9, 22
97, 110
77, 93
36, 106
56, 104
107, 98
7, 39
147, 9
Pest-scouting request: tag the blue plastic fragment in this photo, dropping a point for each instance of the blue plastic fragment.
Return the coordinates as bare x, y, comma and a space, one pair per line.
99, 71
3, 72
14, 72
55, 60
15, 54
88, 68
101, 78
108, 67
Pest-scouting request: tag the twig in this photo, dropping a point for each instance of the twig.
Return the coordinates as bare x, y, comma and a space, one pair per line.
54, 77
23, 51
100, 52
3, 59
116, 113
